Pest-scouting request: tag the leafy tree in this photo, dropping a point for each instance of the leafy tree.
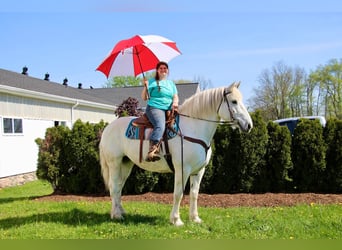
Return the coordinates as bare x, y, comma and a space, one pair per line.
203, 83
280, 93
125, 81
329, 80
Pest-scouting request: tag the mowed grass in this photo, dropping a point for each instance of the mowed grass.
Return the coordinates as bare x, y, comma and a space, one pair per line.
23, 217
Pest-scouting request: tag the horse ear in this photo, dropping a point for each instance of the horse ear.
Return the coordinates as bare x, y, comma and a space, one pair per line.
237, 84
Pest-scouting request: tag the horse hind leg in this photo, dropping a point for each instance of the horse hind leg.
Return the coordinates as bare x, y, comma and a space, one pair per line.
120, 170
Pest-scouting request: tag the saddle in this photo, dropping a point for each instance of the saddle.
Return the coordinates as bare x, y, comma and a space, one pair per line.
143, 123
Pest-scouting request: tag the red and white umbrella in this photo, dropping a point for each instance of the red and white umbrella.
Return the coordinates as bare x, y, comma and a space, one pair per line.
137, 55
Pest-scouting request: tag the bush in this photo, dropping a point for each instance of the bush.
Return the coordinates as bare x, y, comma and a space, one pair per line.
69, 159
128, 107
278, 162
333, 175
50, 159
223, 176
308, 156
254, 145
238, 158
140, 181
264, 160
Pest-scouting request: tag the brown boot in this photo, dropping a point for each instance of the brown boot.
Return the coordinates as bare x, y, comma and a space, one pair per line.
153, 152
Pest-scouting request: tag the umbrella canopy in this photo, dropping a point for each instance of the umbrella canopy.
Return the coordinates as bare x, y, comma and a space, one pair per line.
137, 55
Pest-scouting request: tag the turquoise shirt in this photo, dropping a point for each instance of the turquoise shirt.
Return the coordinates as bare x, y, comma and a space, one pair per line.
161, 99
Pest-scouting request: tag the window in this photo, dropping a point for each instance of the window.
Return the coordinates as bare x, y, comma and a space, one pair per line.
60, 123
12, 126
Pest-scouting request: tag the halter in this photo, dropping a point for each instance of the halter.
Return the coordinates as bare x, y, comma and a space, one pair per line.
232, 121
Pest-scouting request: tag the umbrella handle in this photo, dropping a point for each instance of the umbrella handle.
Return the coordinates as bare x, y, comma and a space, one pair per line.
148, 94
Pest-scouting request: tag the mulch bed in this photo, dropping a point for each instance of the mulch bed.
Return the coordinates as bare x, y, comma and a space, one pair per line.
215, 200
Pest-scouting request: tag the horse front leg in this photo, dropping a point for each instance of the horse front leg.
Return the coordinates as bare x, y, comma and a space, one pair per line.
195, 181
177, 198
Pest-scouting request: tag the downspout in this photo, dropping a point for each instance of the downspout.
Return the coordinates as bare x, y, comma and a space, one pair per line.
72, 112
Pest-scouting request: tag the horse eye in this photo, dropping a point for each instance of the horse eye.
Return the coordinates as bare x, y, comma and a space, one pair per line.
234, 102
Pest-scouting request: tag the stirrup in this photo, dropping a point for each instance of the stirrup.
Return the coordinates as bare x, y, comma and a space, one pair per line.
153, 153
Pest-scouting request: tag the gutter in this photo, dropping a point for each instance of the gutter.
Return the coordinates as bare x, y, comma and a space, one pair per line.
72, 112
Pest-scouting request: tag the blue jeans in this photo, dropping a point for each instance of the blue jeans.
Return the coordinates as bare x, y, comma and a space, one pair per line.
157, 118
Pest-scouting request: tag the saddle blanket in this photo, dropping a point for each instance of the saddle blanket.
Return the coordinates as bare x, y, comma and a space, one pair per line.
132, 132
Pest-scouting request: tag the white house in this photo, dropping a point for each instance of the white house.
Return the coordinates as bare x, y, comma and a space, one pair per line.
28, 106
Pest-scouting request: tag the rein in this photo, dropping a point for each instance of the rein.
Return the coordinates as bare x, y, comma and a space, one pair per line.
206, 120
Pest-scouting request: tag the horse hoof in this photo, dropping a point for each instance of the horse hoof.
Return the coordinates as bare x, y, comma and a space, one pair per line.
196, 220
177, 222
116, 217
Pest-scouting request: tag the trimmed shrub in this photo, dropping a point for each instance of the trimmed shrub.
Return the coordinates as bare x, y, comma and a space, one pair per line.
50, 157
308, 156
333, 171
254, 145
278, 162
69, 159
238, 158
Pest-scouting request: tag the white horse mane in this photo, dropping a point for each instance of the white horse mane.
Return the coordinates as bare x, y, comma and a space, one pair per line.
205, 102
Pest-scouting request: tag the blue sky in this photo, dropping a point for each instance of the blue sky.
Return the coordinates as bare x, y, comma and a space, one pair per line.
221, 41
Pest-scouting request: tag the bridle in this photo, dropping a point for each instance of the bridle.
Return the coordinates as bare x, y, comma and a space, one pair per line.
232, 120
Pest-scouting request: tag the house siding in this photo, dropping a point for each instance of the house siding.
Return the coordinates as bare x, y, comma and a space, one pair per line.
36, 109
19, 152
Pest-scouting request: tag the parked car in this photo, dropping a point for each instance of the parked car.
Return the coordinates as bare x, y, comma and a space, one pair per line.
292, 122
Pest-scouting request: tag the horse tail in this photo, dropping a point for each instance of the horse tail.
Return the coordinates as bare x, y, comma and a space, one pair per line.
104, 166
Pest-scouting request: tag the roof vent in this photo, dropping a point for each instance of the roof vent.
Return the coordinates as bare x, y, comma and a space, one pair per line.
65, 82
80, 85
25, 69
46, 78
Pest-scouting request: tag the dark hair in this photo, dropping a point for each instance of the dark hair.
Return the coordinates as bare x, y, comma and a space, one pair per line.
161, 63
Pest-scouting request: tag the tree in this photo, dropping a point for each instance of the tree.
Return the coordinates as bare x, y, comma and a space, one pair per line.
125, 81
281, 92
203, 83
328, 80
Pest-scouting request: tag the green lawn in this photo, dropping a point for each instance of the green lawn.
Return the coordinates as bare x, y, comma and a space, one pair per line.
23, 217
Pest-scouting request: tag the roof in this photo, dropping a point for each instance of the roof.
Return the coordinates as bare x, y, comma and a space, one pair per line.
107, 96
20, 81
